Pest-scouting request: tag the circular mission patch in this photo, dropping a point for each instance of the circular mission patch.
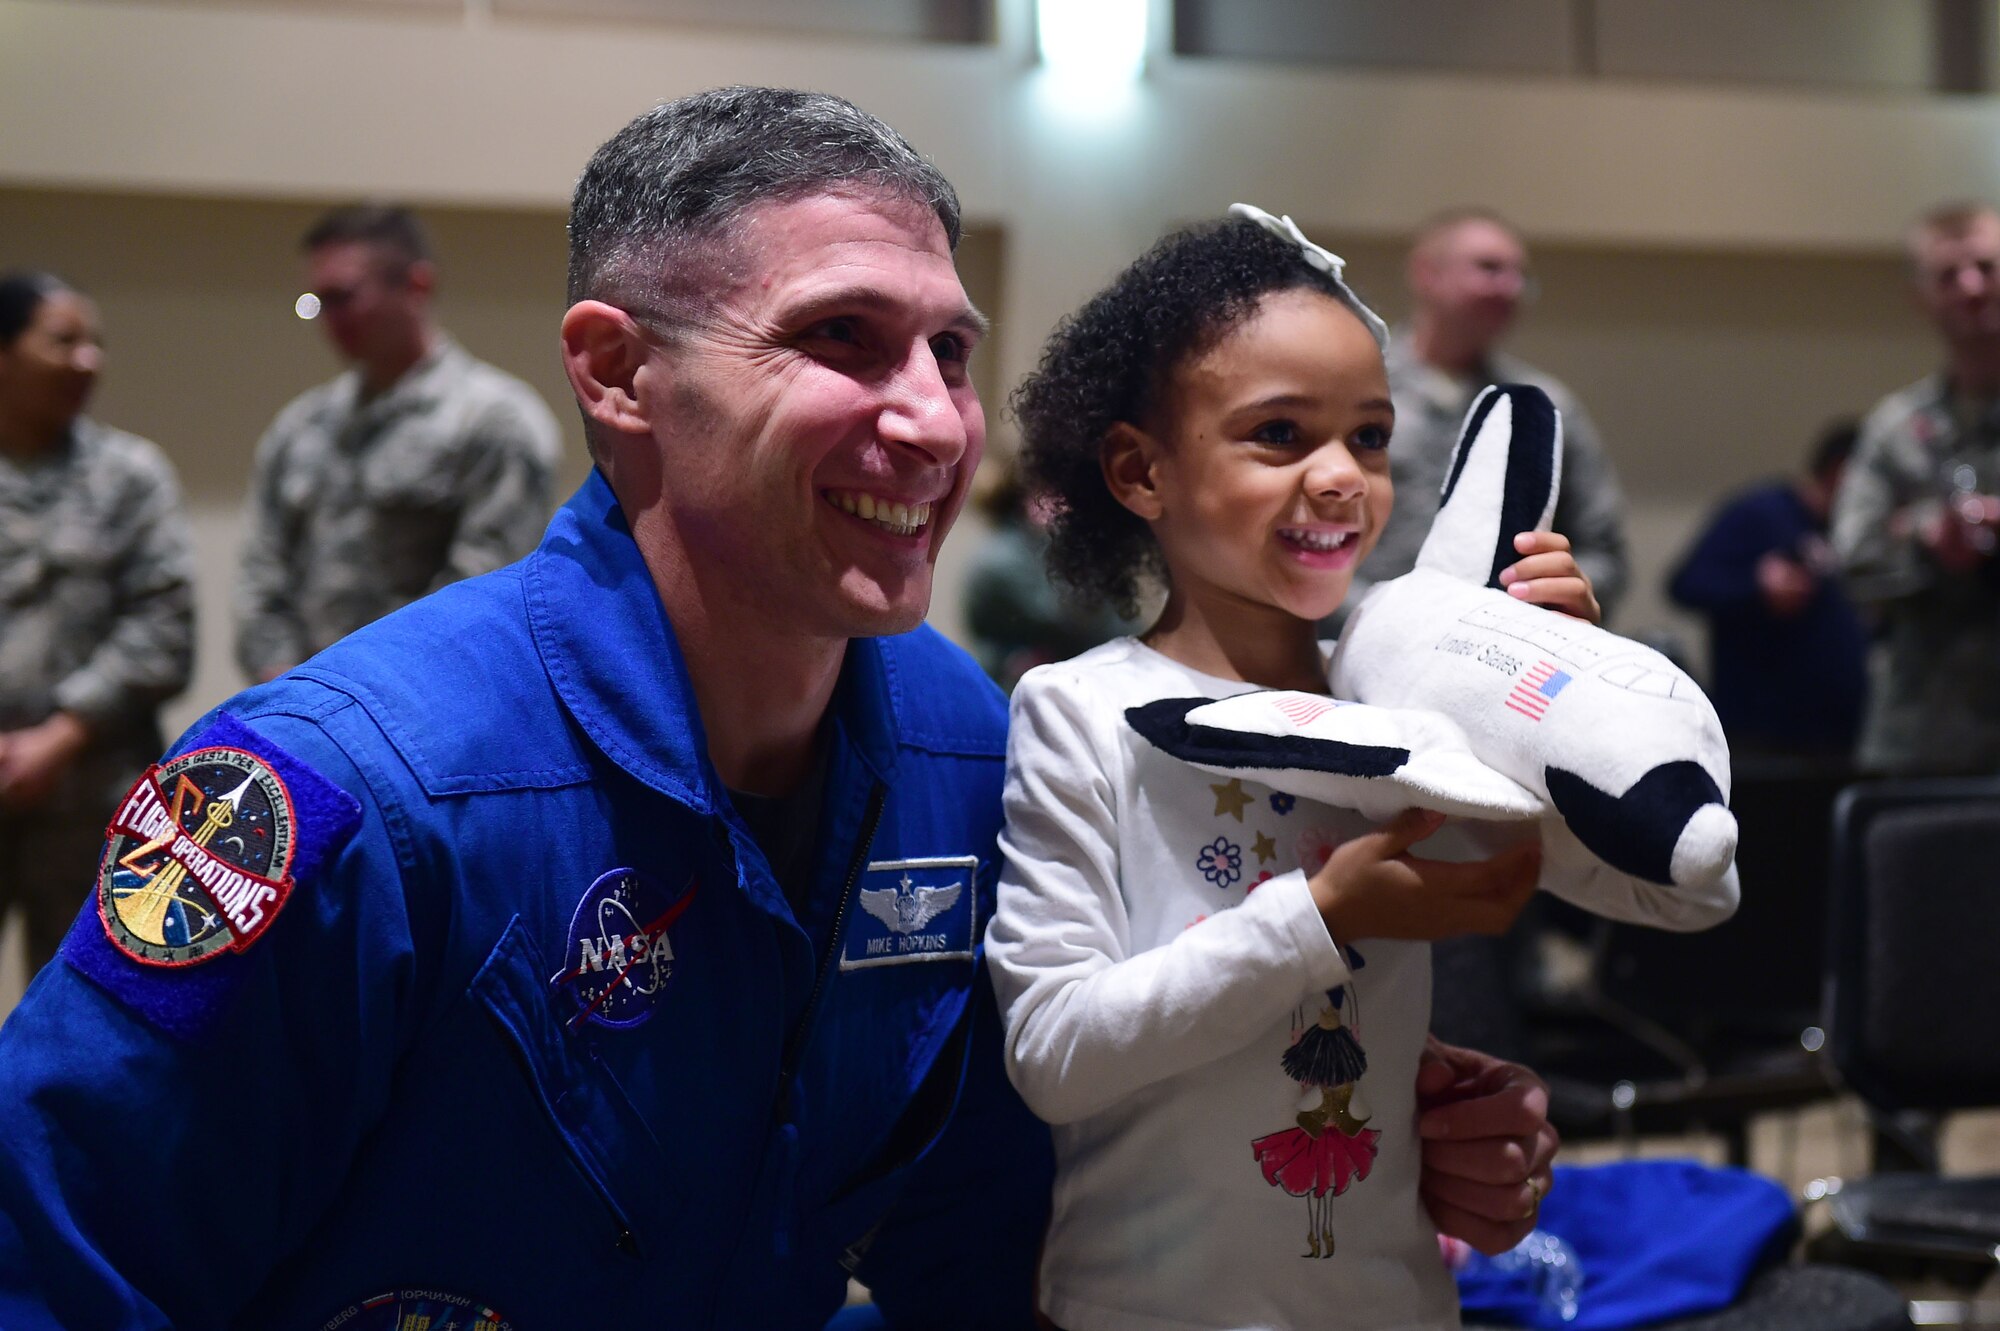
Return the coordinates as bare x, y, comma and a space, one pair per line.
196, 861
417, 1310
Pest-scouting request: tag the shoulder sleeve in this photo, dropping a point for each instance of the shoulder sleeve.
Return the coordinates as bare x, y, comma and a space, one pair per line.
237, 1088
1590, 509
148, 653
506, 482
269, 633
1088, 1020
1719, 571
1874, 525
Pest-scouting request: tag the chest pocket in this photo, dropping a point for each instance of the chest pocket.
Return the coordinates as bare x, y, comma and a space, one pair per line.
615, 1154
410, 486
412, 466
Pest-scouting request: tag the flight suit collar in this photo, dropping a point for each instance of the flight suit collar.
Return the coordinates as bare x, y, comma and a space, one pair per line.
612, 656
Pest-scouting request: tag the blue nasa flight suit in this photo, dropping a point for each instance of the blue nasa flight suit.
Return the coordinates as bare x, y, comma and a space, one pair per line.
397, 1088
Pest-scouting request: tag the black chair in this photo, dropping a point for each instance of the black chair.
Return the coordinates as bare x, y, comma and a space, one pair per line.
1671, 1032
1912, 1005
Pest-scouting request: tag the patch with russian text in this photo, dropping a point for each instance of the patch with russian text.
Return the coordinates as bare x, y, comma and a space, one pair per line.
913, 910
416, 1310
619, 956
197, 860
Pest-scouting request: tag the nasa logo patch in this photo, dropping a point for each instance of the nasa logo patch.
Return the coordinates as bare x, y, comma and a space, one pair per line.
619, 958
197, 859
417, 1310
913, 910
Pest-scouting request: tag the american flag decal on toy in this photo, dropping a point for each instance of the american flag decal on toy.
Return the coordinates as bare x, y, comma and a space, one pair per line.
1536, 689
1301, 710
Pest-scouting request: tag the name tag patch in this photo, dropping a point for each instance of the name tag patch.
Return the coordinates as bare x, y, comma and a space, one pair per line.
913, 910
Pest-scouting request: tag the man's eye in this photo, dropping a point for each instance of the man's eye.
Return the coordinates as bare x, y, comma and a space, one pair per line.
1371, 438
1276, 432
847, 331
950, 348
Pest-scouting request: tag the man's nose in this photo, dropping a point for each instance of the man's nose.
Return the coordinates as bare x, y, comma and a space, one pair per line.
920, 411
1971, 279
87, 358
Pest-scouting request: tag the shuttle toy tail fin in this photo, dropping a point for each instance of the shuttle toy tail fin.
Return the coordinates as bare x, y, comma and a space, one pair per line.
1503, 480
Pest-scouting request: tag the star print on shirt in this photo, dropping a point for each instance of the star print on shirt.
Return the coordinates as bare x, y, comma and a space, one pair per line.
1264, 848
1231, 798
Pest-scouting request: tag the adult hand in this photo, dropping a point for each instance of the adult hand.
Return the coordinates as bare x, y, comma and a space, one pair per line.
1547, 574
1487, 1145
1784, 583
1371, 887
32, 760
1961, 534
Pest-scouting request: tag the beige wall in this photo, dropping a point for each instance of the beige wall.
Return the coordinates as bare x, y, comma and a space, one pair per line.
1704, 370
204, 348
1717, 260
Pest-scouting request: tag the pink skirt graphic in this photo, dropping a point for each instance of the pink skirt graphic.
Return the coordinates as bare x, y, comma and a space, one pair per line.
1305, 1165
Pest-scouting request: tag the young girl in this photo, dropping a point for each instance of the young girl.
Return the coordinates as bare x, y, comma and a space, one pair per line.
1218, 994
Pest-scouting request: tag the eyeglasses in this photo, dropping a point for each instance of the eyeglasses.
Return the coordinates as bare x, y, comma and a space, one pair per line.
332, 300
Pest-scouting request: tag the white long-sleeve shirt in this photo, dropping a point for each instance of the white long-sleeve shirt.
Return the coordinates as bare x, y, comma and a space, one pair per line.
1155, 950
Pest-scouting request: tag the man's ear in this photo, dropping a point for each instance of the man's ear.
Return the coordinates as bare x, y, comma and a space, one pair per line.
421, 277
603, 350
1130, 457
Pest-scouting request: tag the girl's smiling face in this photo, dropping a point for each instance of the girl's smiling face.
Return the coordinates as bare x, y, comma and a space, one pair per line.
1265, 473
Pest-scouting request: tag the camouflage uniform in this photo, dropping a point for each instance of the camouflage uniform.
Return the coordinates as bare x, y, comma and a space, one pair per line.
1935, 697
358, 508
96, 619
1430, 408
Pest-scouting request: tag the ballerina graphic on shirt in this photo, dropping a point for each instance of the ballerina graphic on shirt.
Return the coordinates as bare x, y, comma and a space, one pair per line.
1332, 1146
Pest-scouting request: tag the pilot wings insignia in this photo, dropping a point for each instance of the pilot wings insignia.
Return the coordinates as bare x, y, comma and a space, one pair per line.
906, 907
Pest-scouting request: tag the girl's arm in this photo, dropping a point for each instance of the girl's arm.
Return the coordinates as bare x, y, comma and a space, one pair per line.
1088, 1021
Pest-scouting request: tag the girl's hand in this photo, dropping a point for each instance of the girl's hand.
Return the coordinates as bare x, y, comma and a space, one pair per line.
1372, 888
1547, 574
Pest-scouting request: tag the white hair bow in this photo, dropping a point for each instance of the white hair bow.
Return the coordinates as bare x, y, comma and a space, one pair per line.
1325, 260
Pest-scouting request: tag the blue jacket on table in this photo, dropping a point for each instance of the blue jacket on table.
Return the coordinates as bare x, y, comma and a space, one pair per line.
536, 1040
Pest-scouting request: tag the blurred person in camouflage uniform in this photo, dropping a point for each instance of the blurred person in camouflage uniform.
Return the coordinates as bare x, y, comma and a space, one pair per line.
1917, 522
416, 467
1469, 281
96, 605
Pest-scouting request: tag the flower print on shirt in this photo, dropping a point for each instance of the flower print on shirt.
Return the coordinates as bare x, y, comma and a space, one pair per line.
1221, 862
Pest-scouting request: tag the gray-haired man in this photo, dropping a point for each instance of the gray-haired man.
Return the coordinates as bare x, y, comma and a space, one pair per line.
622, 967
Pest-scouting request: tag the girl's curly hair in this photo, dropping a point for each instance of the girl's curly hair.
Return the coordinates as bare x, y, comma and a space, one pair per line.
1113, 360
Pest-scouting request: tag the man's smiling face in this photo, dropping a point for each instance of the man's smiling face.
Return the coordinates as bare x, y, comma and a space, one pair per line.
818, 424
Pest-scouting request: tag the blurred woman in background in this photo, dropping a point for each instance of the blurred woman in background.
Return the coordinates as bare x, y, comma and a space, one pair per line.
96, 605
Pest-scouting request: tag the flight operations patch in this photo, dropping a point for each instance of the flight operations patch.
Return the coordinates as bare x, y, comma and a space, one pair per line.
199, 859
913, 910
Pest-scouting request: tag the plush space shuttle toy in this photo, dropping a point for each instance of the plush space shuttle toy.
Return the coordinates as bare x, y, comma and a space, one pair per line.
1475, 703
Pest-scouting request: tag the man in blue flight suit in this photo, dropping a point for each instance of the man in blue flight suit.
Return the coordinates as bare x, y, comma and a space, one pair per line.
595, 943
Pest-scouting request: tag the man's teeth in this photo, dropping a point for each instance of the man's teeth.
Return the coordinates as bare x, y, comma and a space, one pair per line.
899, 519
1318, 540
